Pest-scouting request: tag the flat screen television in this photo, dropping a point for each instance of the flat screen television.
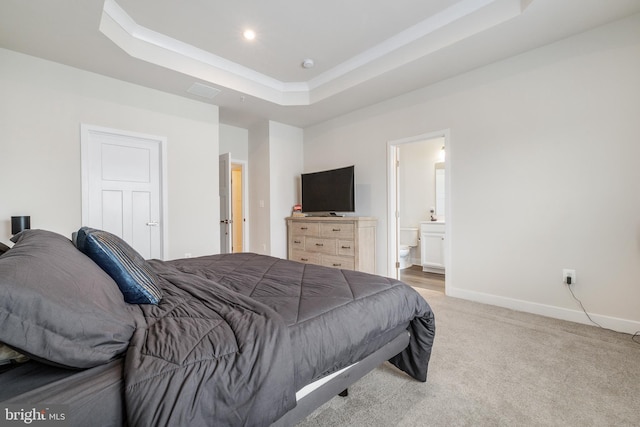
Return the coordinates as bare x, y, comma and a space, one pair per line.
329, 191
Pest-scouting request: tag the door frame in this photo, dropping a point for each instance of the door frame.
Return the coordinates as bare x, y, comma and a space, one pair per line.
393, 211
85, 139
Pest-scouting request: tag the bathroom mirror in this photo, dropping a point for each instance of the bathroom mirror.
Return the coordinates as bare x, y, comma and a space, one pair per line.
440, 185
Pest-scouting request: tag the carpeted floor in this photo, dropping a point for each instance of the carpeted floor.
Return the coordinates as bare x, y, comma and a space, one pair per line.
497, 367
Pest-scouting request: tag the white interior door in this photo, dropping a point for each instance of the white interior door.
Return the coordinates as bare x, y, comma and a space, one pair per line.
122, 187
226, 231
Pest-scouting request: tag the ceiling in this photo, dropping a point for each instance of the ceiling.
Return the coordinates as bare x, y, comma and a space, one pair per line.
364, 51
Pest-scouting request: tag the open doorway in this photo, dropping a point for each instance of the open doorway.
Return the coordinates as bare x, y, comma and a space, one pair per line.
418, 219
233, 204
238, 206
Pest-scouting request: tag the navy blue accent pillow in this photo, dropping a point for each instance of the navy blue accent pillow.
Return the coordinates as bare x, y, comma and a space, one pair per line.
137, 282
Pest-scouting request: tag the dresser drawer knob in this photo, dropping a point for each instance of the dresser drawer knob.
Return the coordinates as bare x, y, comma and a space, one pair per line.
304, 228
337, 265
297, 241
346, 247
304, 259
319, 244
336, 229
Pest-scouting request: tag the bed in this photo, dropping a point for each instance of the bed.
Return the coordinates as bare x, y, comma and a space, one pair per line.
235, 339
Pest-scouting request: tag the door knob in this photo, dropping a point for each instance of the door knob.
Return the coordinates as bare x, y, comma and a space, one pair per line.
153, 223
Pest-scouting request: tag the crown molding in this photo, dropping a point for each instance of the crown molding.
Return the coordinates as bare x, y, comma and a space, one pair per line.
462, 20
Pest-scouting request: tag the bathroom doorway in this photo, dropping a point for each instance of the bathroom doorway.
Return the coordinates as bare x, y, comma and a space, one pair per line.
418, 204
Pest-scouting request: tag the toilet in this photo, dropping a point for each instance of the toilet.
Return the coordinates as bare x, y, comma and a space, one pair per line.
408, 240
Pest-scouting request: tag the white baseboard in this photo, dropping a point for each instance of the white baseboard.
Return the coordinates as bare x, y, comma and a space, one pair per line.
578, 316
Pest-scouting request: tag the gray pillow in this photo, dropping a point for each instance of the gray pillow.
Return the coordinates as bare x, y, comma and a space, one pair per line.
58, 306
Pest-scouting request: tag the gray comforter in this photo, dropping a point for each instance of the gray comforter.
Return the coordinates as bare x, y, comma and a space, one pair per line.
236, 335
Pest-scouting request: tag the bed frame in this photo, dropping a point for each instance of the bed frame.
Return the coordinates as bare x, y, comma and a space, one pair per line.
97, 393
341, 381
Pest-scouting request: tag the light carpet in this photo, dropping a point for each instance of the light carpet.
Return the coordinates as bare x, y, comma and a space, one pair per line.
492, 366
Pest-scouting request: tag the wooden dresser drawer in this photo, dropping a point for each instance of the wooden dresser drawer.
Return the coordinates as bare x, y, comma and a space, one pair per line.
305, 229
346, 247
346, 263
324, 246
306, 257
337, 231
297, 243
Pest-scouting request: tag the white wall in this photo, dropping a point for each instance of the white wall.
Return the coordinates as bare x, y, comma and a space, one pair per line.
285, 154
543, 157
234, 140
41, 108
259, 189
275, 159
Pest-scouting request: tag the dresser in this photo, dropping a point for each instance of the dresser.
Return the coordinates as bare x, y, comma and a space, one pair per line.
341, 242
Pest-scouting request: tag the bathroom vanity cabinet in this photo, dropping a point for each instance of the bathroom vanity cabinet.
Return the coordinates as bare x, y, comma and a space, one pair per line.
340, 242
432, 236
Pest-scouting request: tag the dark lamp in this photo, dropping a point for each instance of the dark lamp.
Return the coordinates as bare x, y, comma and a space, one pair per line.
19, 223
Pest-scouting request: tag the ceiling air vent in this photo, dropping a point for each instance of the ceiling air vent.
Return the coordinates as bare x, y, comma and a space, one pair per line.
203, 90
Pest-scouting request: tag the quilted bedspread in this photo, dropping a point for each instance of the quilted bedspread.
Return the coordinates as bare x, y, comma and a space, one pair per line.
236, 335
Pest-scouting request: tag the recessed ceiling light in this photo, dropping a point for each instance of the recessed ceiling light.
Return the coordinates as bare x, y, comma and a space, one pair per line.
249, 34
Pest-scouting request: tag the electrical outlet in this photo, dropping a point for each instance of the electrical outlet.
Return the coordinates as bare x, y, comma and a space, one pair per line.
568, 273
